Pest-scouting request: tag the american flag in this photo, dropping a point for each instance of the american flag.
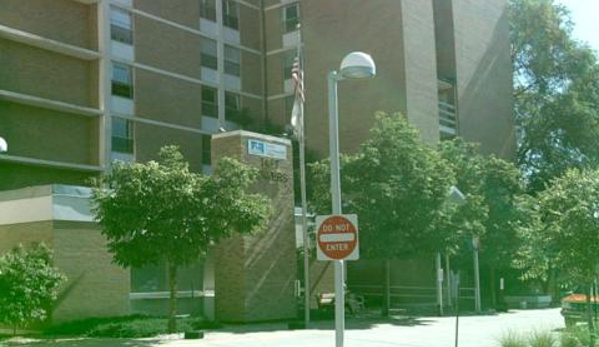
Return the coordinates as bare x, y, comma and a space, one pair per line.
297, 114
297, 76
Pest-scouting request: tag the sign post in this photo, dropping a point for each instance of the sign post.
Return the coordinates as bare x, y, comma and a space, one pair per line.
337, 240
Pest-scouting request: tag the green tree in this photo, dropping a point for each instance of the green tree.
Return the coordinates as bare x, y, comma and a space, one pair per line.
492, 186
160, 211
28, 285
563, 233
397, 186
556, 92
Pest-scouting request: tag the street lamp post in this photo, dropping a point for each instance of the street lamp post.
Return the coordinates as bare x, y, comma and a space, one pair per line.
356, 65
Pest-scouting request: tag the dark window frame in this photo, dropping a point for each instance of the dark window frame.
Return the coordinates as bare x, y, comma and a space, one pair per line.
208, 59
208, 10
122, 88
290, 24
118, 31
123, 143
210, 107
232, 66
230, 19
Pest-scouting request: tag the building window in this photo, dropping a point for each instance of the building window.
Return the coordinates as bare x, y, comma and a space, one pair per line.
208, 9
208, 54
206, 149
288, 58
122, 81
231, 14
232, 60
209, 102
290, 18
122, 135
232, 106
121, 29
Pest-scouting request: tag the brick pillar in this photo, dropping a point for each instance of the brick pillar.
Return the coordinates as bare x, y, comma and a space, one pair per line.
255, 275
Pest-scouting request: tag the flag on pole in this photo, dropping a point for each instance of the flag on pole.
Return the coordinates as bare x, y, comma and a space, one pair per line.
297, 113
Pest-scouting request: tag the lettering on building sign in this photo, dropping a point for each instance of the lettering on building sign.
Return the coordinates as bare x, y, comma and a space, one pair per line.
269, 171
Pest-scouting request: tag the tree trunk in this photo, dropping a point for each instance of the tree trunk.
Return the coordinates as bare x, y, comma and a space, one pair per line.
590, 316
493, 287
172, 312
386, 288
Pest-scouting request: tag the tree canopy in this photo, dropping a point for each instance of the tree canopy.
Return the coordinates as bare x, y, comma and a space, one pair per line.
160, 211
556, 92
28, 285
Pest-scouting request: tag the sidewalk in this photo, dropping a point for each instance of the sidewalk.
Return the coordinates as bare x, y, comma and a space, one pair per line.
475, 331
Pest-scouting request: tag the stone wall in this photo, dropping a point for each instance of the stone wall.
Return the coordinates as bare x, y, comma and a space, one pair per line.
255, 275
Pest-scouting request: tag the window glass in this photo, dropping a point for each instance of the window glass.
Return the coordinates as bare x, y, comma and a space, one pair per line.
209, 102
122, 84
208, 54
232, 105
290, 18
232, 59
120, 26
208, 9
122, 135
231, 14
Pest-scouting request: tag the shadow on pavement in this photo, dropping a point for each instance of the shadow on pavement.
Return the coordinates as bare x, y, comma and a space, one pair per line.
79, 342
359, 322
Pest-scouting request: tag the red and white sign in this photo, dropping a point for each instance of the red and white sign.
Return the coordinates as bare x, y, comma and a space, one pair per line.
337, 237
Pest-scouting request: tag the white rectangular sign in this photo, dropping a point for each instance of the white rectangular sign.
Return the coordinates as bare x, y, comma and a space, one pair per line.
266, 149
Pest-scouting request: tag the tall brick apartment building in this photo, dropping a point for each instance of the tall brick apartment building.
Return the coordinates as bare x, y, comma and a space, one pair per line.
85, 82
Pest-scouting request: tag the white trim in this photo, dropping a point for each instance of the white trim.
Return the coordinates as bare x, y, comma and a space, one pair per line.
184, 27
139, 119
35, 101
166, 294
282, 50
241, 2
47, 44
276, 6
183, 77
279, 96
88, 2
48, 163
26, 210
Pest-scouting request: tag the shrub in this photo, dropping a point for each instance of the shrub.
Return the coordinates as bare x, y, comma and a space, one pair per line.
577, 335
28, 285
541, 338
128, 327
568, 340
512, 339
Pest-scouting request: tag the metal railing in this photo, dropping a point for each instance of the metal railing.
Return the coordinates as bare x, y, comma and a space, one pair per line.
447, 118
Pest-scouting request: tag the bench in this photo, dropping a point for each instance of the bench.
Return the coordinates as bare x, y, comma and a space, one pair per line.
353, 303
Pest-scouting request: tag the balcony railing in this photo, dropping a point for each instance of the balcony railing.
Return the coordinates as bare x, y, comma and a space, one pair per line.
447, 118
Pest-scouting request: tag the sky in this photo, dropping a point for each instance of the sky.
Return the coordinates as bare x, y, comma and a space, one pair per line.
584, 15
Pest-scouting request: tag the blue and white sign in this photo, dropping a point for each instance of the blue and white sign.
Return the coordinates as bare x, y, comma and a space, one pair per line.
266, 149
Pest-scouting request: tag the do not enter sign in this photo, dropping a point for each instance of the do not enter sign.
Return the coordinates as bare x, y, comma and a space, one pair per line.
337, 237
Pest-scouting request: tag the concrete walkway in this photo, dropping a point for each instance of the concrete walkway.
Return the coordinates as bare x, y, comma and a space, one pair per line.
475, 331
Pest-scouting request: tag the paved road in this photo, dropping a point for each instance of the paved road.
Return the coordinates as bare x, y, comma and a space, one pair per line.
475, 331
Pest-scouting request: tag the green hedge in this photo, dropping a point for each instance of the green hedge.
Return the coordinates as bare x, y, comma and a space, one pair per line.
128, 327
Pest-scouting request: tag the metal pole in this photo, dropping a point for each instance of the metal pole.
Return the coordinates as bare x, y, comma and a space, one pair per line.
476, 282
302, 157
439, 281
336, 202
447, 280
